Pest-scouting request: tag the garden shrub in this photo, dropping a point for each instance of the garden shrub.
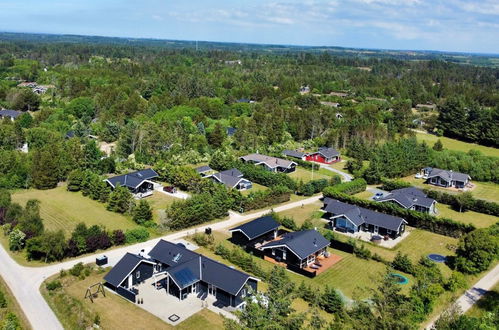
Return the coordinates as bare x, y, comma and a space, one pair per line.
136, 235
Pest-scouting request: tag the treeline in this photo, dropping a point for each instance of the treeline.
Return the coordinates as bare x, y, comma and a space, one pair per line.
406, 156
25, 231
469, 122
443, 226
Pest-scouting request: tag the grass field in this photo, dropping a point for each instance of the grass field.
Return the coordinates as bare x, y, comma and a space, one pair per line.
483, 190
457, 145
61, 209
256, 187
12, 307
306, 175
114, 311
159, 202
479, 220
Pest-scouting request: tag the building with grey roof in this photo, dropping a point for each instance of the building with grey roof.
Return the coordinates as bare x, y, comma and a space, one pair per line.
294, 154
181, 273
11, 114
232, 178
445, 178
324, 155
352, 218
139, 182
255, 232
297, 249
411, 198
270, 163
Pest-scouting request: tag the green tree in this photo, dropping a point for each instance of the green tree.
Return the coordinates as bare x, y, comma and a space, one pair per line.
476, 251
331, 301
142, 213
403, 263
438, 146
16, 240
45, 168
120, 200
217, 136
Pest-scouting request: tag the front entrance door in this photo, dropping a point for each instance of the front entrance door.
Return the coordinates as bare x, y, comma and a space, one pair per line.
375, 229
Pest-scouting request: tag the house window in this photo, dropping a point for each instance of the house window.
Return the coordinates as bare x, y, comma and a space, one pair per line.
283, 254
273, 252
388, 231
137, 274
243, 293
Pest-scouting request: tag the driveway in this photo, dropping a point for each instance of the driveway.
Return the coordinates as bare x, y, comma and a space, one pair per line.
346, 177
26, 281
375, 191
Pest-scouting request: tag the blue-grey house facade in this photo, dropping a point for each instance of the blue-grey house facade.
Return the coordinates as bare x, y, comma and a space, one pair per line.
139, 182
180, 273
352, 218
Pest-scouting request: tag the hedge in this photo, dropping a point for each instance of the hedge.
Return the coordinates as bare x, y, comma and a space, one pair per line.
390, 185
443, 226
312, 187
349, 188
477, 205
266, 178
260, 199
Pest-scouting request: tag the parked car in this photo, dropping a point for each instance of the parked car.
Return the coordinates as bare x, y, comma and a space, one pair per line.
378, 195
170, 189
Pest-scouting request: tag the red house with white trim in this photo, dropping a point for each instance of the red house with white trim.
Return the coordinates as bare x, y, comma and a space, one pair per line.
324, 155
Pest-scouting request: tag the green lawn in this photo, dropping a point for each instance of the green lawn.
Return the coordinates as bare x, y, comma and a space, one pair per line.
457, 145
306, 175
61, 209
479, 220
159, 202
483, 190
310, 211
256, 187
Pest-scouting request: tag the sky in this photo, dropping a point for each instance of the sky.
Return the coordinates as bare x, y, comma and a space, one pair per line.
452, 25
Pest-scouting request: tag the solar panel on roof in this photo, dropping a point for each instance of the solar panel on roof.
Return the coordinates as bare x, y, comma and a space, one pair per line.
185, 277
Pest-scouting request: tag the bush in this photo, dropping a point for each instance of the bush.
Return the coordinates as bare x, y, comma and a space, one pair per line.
136, 235
266, 178
203, 239
11, 322
361, 251
142, 213
348, 188
403, 263
476, 251
3, 300
77, 269
456, 281
312, 187
118, 237
260, 199
240, 258
53, 285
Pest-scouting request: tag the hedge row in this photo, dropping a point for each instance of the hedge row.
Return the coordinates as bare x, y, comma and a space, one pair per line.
477, 205
312, 187
349, 188
261, 176
443, 226
260, 199
390, 185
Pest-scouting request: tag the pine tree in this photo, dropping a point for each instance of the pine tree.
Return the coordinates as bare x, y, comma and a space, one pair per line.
438, 146
331, 301
120, 200
45, 169
142, 212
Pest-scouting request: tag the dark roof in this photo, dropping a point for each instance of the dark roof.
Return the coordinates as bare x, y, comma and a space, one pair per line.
359, 215
171, 254
407, 197
328, 152
233, 172
302, 243
257, 227
70, 134
133, 180
10, 113
191, 267
228, 180
203, 169
243, 100
231, 131
293, 153
448, 175
123, 268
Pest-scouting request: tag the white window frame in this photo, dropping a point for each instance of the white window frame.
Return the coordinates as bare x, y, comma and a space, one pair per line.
243, 293
284, 254
137, 274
